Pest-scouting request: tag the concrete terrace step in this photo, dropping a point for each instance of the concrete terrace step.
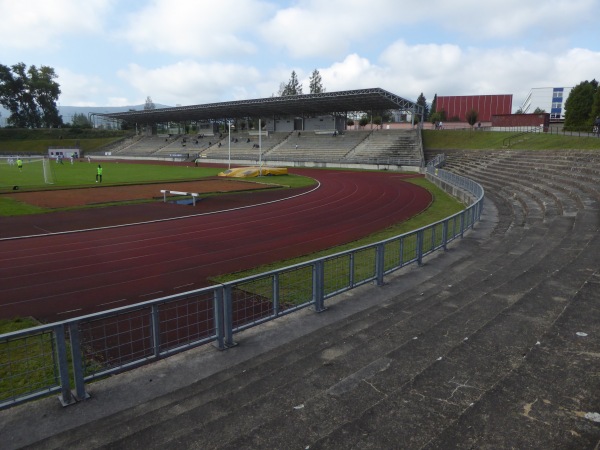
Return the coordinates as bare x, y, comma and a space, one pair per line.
364, 349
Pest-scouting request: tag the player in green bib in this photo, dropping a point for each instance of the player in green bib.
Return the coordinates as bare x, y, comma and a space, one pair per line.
99, 174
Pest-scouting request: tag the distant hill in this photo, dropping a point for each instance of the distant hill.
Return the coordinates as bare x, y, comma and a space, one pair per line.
67, 112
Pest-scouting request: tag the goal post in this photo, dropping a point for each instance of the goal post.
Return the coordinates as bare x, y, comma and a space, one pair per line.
48, 173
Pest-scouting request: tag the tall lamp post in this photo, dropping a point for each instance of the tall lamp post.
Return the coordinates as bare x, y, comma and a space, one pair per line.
259, 148
229, 165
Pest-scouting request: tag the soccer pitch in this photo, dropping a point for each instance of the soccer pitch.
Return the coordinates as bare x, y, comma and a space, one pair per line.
83, 173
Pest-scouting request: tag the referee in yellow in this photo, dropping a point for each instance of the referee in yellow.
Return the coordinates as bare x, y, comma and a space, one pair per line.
99, 174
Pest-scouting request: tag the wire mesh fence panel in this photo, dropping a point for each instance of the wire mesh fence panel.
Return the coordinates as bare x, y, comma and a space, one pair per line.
296, 287
338, 274
27, 365
116, 341
187, 321
432, 238
392, 255
252, 301
365, 265
453, 227
410, 248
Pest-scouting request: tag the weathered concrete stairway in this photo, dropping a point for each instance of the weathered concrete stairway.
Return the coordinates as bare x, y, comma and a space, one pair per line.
481, 352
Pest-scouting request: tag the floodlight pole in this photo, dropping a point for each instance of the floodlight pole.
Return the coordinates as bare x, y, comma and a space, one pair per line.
259, 148
229, 165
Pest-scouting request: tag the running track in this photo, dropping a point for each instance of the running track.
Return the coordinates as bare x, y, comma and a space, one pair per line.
54, 277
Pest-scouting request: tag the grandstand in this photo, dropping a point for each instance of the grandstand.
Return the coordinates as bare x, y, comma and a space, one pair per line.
297, 128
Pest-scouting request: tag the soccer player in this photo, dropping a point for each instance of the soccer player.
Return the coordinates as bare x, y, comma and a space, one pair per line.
20, 164
99, 174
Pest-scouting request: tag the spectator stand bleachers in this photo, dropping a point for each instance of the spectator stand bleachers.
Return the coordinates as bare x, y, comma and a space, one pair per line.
244, 145
391, 146
320, 145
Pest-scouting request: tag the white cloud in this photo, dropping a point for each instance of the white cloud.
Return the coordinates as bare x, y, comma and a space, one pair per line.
193, 28
79, 89
43, 23
189, 82
312, 28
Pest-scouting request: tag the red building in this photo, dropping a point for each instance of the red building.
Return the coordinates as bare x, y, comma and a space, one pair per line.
522, 120
457, 106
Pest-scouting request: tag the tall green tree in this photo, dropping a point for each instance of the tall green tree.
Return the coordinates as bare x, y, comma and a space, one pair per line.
293, 87
30, 95
316, 83
579, 105
423, 102
433, 105
596, 105
80, 121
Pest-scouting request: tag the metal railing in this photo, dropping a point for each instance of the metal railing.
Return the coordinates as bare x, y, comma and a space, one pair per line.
63, 357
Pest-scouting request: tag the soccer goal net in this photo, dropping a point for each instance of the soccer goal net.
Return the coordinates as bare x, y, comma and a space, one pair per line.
48, 174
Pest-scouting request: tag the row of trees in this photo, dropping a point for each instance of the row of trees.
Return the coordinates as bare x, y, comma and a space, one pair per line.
30, 94
293, 86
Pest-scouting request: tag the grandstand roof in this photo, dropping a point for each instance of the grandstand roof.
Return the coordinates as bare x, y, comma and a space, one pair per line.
375, 99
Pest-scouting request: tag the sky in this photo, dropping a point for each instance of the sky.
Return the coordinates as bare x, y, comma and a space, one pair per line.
189, 52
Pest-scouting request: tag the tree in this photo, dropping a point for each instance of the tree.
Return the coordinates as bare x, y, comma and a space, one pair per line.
423, 102
596, 105
579, 105
293, 87
30, 95
472, 117
539, 110
316, 83
433, 105
149, 104
80, 121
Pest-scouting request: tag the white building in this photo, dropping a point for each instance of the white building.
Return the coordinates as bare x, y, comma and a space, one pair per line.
551, 100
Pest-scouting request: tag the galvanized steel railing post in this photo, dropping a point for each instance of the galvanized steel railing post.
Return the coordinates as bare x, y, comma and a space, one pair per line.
226, 306
420, 239
65, 397
155, 324
379, 263
77, 362
445, 234
275, 293
319, 285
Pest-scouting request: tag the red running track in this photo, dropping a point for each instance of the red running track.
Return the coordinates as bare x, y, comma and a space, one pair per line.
54, 277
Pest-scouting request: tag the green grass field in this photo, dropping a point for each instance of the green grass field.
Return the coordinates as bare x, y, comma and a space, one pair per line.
82, 173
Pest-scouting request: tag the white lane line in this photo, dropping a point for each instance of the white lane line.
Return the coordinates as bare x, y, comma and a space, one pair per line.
69, 312
150, 293
183, 286
114, 301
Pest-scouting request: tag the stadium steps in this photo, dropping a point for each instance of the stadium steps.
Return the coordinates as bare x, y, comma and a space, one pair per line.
479, 356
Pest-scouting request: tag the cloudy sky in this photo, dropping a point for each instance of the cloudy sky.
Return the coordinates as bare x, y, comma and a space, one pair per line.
118, 52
